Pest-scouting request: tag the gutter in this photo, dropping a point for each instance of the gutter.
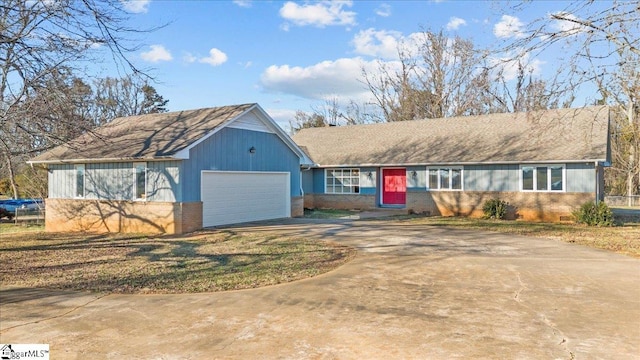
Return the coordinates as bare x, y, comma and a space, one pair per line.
105, 160
599, 161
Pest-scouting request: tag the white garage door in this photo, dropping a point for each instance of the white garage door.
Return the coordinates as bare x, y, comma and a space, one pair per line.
230, 197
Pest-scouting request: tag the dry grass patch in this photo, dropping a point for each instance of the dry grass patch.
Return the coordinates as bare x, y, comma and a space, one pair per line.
621, 239
202, 262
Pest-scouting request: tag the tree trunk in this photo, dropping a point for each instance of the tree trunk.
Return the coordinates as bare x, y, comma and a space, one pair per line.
632, 166
12, 177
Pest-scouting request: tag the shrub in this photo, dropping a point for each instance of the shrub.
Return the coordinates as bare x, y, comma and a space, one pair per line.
5, 213
495, 209
594, 214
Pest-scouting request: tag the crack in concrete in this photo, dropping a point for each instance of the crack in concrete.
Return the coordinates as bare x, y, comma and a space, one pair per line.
56, 316
564, 342
523, 287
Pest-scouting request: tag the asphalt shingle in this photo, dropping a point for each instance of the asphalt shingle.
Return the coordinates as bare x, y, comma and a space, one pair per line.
144, 137
543, 136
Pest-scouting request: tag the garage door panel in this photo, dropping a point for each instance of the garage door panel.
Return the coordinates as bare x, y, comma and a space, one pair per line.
234, 197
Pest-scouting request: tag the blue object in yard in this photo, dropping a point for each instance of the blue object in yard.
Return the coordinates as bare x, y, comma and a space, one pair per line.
13, 204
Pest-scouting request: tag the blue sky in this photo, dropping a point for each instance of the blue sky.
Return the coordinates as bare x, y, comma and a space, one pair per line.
290, 56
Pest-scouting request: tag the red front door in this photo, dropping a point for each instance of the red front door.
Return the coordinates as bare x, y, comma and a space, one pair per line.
394, 186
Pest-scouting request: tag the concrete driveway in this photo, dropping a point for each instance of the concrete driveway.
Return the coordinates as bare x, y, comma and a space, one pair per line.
413, 292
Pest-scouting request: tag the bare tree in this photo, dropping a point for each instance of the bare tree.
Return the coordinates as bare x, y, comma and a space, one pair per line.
118, 97
604, 43
40, 40
431, 79
437, 76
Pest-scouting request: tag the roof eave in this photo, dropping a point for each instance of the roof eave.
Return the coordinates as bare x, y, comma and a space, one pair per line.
101, 160
599, 161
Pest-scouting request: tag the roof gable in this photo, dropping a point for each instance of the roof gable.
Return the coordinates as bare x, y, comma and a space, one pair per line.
160, 136
565, 135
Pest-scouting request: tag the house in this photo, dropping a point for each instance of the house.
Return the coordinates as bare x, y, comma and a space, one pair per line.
544, 164
174, 173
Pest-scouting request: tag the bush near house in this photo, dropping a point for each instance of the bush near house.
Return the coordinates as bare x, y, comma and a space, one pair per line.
593, 214
5, 213
495, 209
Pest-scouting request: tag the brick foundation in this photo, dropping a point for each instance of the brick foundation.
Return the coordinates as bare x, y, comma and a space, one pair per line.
297, 206
122, 216
339, 201
530, 206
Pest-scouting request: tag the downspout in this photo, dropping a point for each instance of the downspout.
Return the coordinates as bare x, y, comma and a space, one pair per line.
597, 184
301, 189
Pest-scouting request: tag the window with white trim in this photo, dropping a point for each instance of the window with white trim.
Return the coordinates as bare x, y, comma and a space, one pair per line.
542, 178
342, 181
140, 181
444, 178
79, 180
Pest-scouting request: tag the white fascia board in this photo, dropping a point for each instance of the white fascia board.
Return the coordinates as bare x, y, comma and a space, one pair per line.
459, 163
99, 161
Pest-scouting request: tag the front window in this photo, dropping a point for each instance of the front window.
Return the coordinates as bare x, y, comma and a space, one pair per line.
542, 178
80, 180
444, 178
342, 181
140, 181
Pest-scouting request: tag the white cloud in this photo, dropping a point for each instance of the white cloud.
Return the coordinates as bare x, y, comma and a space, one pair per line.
325, 80
566, 27
509, 65
156, 54
136, 6
243, 3
188, 57
215, 58
508, 27
379, 43
321, 14
283, 117
386, 43
455, 22
383, 10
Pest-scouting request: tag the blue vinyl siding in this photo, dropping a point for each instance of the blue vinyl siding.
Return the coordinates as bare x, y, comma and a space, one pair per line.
491, 177
581, 177
307, 181
61, 181
114, 181
109, 181
228, 150
318, 181
163, 181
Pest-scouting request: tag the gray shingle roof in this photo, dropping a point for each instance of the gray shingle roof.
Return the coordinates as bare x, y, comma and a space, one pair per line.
542, 136
151, 136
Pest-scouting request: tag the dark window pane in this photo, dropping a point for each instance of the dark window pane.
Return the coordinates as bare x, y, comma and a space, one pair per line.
556, 178
541, 178
456, 179
140, 182
80, 181
527, 178
433, 179
444, 178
